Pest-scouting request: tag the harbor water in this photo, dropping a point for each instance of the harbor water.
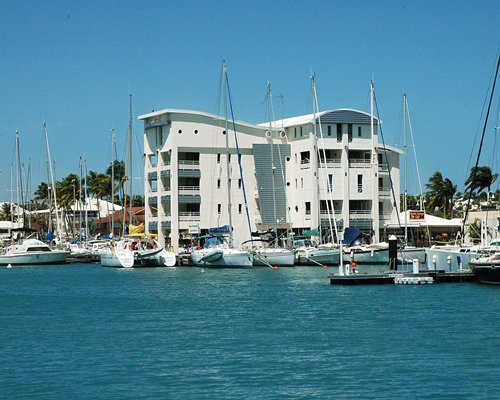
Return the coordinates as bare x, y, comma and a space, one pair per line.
82, 331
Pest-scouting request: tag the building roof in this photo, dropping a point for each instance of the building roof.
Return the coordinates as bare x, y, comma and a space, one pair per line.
341, 115
428, 221
193, 112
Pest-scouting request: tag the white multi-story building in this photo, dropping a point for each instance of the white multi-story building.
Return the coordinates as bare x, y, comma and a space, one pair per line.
297, 175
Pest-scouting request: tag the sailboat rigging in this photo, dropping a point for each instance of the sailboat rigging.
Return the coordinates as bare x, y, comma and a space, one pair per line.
225, 254
138, 250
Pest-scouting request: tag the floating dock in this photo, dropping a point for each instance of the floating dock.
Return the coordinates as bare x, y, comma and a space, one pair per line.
394, 277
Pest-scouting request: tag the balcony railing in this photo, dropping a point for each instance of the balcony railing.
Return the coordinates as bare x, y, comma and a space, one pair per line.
189, 189
360, 214
359, 163
189, 216
331, 163
189, 163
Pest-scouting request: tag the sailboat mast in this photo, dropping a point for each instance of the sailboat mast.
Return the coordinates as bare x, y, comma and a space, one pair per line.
86, 197
324, 166
273, 168
112, 181
130, 175
375, 207
52, 180
228, 167
20, 199
405, 195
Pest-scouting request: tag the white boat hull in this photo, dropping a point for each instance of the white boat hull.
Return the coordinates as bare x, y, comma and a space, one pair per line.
222, 258
274, 257
317, 256
35, 258
128, 259
450, 258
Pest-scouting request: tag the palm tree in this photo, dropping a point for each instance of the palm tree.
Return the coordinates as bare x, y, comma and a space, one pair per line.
119, 173
480, 178
42, 194
441, 193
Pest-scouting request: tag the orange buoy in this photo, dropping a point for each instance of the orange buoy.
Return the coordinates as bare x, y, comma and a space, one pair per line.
353, 264
276, 267
325, 266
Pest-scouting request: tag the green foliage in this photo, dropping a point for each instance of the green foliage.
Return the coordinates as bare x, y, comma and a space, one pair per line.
440, 194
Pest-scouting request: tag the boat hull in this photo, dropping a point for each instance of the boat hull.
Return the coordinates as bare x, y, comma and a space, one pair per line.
35, 258
489, 274
222, 258
317, 256
450, 258
159, 258
274, 257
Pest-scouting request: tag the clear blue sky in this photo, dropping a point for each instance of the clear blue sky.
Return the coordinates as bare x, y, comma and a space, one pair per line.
73, 64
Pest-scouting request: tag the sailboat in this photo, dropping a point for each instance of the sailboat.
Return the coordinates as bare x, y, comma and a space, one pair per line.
359, 248
28, 250
220, 252
138, 250
408, 253
327, 253
273, 255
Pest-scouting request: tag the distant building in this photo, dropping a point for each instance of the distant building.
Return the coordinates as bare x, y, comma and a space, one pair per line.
294, 175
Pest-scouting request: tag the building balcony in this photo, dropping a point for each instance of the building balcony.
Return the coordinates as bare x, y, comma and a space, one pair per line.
331, 163
383, 167
189, 164
360, 214
325, 213
359, 163
189, 216
189, 189
306, 163
384, 191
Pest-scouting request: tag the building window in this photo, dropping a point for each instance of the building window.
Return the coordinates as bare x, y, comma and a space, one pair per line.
359, 131
296, 184
218, 183
240, 208
239, 183
229, 157
339, 132
308, 208
302, 183
329, 130
330, 182
360, 183
219, 208
349, 132
300, 131
295, 132
218, 158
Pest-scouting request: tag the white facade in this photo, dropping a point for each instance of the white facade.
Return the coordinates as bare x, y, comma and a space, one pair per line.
186, 174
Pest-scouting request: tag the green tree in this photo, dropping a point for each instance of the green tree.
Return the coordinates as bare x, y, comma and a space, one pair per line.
441, 192
42, 195
480, 178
